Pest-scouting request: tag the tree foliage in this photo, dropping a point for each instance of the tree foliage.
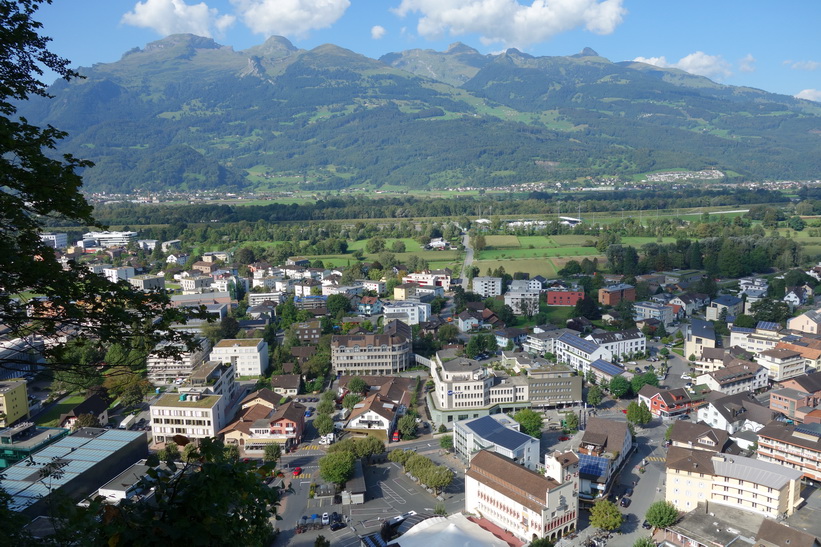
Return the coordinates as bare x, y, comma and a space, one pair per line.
324, 424
595, 396
661, 514
605, 515
446, 442
407, 426
337, 467
530, 422
358, 385
619, 387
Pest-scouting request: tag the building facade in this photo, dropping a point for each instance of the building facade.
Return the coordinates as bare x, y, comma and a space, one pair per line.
248, 355
370, 354
498, 433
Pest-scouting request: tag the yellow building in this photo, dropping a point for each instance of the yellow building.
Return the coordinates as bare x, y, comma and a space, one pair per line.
698, 476
13, 401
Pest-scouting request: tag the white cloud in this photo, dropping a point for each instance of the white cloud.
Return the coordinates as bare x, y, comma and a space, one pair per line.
511, 23
377, 32
747, 63
711, 66
289, 17
810, 95
804, 65
175, 16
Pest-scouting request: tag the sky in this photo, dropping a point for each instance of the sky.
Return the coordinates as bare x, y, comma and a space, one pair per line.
768, 45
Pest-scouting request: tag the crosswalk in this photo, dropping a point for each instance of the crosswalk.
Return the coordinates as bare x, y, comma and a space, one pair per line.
304, 476
655, 459
311, 447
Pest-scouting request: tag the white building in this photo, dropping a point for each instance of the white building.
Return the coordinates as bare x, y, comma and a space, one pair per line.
523, 302
736, 413
487, 287
525, 285
519, 500
164, 369
579, 353
375, 416
370, 354
653, 310
255, 299
192, 415
248, 355
764, 336
110, 239
622, 343
196, 284
734, 379
58, 241
409, 312
116, 274
430, 278
498, 433
782, 363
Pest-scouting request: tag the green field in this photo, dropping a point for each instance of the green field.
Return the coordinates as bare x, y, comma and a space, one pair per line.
411, 245
533, 266
502, 242
50, 417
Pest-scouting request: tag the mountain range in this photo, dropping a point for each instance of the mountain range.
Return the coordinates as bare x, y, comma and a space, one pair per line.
186, 113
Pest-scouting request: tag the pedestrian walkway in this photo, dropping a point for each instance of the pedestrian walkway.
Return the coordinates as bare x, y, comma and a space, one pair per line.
656, 459
304, 476
311, 447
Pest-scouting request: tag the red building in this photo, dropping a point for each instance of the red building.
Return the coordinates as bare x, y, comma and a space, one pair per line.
612, 295
564, 298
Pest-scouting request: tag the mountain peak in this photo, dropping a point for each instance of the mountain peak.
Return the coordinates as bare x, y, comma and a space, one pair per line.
189, 40
587, 52
459, 47
275, 47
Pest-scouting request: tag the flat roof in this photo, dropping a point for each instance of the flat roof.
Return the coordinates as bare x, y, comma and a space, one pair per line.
243, 342
171, 399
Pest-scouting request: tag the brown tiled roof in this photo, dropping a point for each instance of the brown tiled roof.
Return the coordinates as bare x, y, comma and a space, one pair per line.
264, 394
286, 381
686, 459
518, 483
246, 417
775, 534
686, 432
289, 411
614, 432
376, 403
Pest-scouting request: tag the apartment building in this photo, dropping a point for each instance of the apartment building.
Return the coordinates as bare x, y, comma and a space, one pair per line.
498, 433
430, 278
148, 282
164, 368
523, 302
766, 335
110, 239
519, 500
653, 310
193, 415
308, 332
196, 284
410, 313
622, 343
563, 297
736, 413
14, 403
248, 355
613, 294
578, 352
727, 304
487, 287
370, 354
700, 336
56, 240
782, 363
741, 378
808, 322
763, 487
605, 446
797, 446
121, 273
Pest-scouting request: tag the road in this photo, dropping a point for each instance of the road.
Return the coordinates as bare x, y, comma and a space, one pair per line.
468, 260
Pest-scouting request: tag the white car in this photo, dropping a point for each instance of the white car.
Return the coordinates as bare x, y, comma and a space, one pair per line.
326, 518
686, 377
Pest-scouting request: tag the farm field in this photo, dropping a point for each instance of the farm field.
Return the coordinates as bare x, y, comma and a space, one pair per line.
533, 266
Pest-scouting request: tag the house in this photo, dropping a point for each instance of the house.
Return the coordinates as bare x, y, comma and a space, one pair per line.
248, 355
258, 425
613, 294
521, 501
94, 405
510, 336
605, 446
308, 332
713, 359
782, 363
808, 322
776, 534
690, 302
369, 305
732, 305
286, 385
621, 344
797, 296
665, 403
685, 434
396, 389
735, 413
740, 378
498, 433
375, 416
700, 335
695, 476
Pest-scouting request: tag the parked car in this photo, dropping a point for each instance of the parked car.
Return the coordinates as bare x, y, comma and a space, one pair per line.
629, 491
337, 526
564, 438
326, 519
625, 502
646, 525
336, 517
297, 471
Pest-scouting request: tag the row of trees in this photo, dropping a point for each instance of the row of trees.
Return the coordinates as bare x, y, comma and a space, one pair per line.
605, 515
337, 466
423, 469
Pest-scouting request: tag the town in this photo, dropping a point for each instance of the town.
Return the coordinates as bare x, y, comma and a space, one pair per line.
385, 402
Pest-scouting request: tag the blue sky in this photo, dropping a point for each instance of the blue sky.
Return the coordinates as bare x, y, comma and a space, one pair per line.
758, 43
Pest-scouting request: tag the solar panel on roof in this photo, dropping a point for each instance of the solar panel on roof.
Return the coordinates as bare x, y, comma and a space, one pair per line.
803, 428
767, 325
592, 465
606, 367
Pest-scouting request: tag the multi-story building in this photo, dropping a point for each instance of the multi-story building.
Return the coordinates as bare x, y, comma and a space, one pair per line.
164, 368
58, 241
248, 355
653, 310
700, 335
613, 294
464, 388
115, 274
110, 239
375, 416
792, 403
766, 335
213, 378
404, 291
578, 352
377, 286
564, 297
308, 332
782, 363
196, 284
553, 385
665, 403
736, 413
523, 302
810, 353
605, 446
733, 379
487, 287
622, 343
808, 322
193, 415
430, 278
519, 500
148, 282
409, 312
14, 402
370, 354
698, 476
525, 285
732, 305
254, 299
796, 446
260, 423
498, 433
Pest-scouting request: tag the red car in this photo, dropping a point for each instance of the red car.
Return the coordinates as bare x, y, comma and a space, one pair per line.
564, 438
297, 471
624, 411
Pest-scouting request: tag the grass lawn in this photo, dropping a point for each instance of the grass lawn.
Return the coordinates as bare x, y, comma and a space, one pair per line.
411, 245
558, 315
537, 242
639, 241
502, 242
50, 417
572, 240
533, 266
